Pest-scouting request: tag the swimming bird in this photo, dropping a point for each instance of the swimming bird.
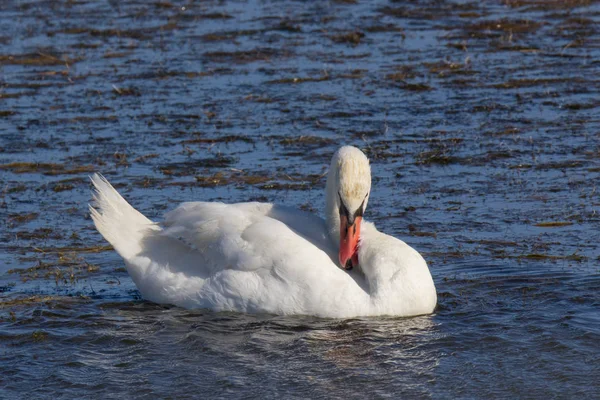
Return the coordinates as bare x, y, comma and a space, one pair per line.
265, 258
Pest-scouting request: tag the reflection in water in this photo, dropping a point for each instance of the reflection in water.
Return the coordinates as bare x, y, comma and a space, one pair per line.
384, 354
358, 342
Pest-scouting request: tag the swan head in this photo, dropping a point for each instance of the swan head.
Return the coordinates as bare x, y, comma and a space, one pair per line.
348, 186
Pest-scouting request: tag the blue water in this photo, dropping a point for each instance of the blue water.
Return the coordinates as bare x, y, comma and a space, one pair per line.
480, 120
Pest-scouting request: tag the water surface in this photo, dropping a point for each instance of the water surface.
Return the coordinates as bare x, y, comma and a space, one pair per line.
481, 122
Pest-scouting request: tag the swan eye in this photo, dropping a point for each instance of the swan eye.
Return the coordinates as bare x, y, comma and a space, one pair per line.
359, 212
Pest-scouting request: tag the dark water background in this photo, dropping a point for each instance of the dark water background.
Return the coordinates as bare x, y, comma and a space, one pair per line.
482, 123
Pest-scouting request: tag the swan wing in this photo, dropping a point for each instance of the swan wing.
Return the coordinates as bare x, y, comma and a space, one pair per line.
245, 256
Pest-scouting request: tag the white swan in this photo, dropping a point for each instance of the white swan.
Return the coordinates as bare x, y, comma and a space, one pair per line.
260, 257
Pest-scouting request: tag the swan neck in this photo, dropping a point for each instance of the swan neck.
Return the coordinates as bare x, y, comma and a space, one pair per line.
332, 206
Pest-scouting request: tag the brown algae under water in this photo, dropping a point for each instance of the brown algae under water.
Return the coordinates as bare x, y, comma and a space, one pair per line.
481, 123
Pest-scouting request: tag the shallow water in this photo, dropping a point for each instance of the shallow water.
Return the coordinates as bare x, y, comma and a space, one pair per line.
481, 121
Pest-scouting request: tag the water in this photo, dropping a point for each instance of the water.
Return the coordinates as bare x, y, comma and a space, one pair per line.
481, 121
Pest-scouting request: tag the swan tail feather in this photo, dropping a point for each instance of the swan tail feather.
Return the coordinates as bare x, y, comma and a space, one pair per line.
122, 226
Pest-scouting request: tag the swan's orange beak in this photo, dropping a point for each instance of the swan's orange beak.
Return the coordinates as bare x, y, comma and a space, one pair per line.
349, 235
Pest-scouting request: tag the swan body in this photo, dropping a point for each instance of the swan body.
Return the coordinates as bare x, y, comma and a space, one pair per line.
260, 257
